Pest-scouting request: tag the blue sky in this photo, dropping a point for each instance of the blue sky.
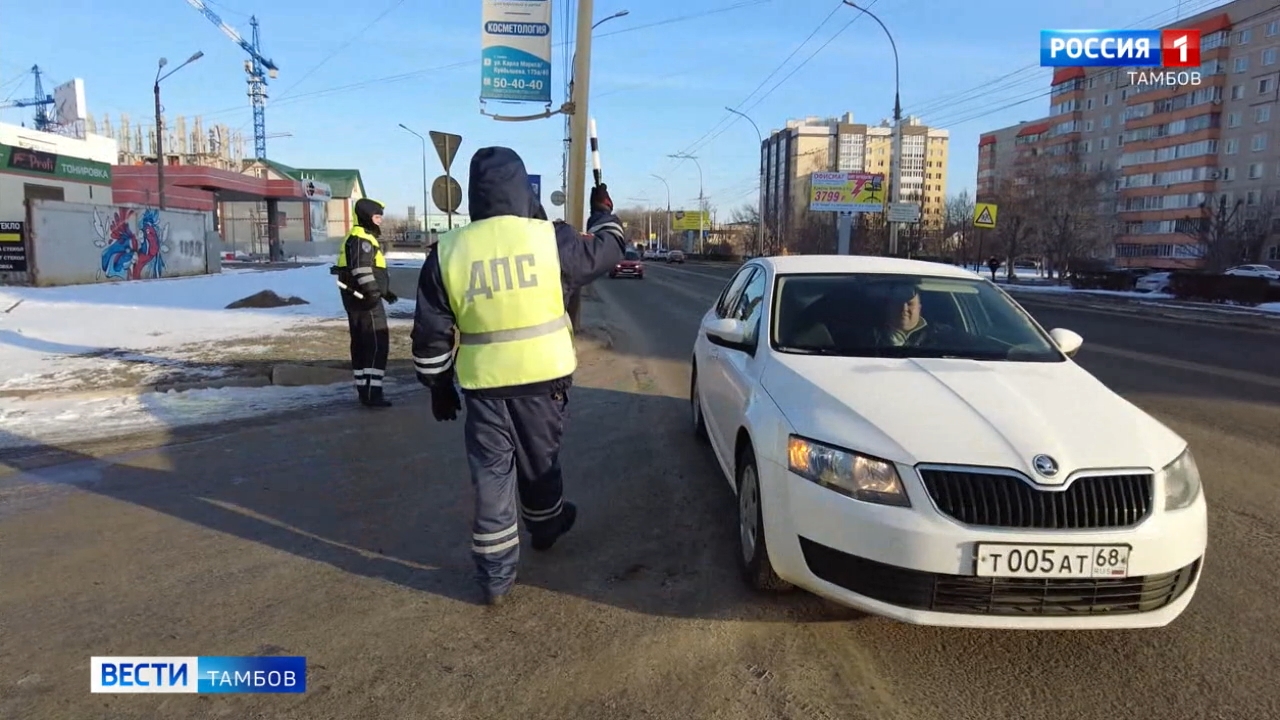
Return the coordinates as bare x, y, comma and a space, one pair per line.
661, 78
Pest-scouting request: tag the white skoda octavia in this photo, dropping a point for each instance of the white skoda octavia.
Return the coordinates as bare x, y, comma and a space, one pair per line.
905, 439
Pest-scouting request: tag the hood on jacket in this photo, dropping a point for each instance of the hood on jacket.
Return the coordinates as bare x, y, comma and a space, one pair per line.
365, 210
499, 185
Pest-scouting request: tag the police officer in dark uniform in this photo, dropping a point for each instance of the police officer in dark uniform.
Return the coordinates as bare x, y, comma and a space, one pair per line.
364, 284
502, 284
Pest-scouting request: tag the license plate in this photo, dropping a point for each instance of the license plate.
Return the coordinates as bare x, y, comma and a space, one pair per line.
1052, 561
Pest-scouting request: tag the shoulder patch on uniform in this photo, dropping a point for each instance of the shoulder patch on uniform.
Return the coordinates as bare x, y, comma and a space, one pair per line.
366, 246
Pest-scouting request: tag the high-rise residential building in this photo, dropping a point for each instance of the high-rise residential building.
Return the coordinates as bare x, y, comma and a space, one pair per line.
1172, 147
788, 156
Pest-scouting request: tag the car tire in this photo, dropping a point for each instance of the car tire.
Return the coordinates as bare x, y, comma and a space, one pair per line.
695, 410
753, 551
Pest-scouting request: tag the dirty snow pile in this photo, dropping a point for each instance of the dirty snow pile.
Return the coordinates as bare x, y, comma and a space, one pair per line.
50, 336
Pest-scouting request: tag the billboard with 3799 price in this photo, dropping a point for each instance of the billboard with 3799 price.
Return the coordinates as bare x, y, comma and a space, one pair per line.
846, 192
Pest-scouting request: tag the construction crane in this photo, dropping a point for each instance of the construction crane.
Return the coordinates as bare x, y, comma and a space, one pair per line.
40, 101
257, 67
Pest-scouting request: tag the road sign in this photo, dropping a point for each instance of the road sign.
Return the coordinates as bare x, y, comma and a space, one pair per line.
904, 212
557, 198
984, 215
535, 184
846, 192
446, 193
446, 147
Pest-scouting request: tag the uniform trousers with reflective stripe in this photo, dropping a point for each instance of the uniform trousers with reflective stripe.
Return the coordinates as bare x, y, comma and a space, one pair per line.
513, 449
370, 344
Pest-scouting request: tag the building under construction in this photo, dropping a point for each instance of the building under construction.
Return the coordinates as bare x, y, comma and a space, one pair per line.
218, 147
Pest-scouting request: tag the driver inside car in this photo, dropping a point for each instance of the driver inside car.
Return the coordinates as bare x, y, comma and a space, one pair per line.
902, 325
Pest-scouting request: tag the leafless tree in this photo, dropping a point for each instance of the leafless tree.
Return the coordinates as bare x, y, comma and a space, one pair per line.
1074, 210
1016, 222
1230, 234
814, 234
957, 227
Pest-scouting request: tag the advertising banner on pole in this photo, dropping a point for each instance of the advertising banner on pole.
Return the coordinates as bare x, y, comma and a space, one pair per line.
682, 220
846, 192
515, 51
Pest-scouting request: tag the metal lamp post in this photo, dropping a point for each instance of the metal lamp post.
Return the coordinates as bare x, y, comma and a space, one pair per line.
160, 120
702, 219
426, 189
667, 230
568, 119
895, 160
760, 201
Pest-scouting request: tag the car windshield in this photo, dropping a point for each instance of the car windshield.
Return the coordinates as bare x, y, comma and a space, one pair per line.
903, 316
631, 255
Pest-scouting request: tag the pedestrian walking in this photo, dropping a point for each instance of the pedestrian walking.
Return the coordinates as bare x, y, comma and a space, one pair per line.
502, 284
364, 284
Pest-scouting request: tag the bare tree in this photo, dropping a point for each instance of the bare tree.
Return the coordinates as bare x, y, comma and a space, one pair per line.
814, 234
1016, 226
1230, 234
1074, 210
957, 227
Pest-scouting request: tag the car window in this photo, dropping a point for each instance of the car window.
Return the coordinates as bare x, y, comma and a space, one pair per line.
884, 315
631, 255
750, 306
731, 292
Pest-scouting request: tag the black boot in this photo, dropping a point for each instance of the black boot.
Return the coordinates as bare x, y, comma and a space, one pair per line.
363, 391
376, 400
561, 524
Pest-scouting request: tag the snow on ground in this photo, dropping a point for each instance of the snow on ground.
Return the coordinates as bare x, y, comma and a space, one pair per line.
51, 332
1148, 298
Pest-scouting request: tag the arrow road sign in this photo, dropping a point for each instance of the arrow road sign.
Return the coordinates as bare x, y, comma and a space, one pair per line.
446, 147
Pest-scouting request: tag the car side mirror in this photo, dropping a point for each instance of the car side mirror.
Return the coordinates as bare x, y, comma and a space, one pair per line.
1067, 341
725, 331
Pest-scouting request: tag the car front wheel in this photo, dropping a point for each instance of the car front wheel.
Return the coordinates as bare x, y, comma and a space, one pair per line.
754, 555
695, 407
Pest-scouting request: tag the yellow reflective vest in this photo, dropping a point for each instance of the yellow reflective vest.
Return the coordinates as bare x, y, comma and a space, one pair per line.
502, 276
361, 234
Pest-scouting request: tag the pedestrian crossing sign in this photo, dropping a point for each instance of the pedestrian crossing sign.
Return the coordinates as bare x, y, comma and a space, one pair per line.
984, 215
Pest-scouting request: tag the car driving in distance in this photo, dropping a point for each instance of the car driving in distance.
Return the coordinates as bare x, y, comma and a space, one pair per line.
676, 256
903, 438
629, 266
1156, 282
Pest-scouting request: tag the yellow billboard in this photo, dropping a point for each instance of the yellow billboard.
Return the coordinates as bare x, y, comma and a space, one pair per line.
846, 192
682, 220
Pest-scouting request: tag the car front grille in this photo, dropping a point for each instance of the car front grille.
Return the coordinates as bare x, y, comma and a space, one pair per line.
1000, 500
971, 595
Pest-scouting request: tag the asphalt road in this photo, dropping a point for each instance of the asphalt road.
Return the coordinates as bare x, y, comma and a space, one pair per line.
344, 538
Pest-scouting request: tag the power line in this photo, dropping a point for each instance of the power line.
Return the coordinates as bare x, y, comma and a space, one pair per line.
401, 77
390, 8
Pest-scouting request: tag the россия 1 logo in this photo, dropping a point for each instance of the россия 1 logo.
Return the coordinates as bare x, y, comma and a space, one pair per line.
1167, 49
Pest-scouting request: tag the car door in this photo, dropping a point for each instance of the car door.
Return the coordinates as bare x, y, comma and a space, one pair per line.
710, 373
740, 368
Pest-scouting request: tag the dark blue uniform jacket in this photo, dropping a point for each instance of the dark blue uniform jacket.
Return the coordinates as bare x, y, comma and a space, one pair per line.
499, 185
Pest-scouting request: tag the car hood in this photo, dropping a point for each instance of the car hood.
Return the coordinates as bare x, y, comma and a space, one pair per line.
967, 412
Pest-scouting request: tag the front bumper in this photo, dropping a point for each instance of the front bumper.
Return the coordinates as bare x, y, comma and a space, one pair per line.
917, 566
626, 272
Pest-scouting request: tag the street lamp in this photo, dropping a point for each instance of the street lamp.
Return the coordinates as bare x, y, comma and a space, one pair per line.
568, 119
160, 120
701, 201
895, 160
667, 235
760, 201
425, 212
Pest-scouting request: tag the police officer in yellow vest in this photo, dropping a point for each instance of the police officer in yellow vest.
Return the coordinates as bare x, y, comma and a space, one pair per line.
364, 284
501, 283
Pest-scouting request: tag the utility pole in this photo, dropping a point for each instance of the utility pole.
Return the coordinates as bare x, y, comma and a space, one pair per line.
702, 218
426, 189
666, 239
760, 198
574, 209
895, 159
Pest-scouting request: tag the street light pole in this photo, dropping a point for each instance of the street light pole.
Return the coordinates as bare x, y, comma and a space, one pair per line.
760, 200
426, 228
160, 121
568, 119
895, 160
702, 218
667, 233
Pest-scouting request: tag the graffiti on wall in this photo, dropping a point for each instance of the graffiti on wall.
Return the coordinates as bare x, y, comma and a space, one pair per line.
133, 243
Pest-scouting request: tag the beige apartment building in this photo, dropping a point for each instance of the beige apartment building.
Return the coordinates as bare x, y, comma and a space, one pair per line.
788, 156
1173, 147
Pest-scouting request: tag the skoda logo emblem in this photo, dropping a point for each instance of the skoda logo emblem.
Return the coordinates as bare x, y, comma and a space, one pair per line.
1045, 465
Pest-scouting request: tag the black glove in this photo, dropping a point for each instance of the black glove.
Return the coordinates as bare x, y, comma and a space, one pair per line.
390, 297
600, 200
445, 402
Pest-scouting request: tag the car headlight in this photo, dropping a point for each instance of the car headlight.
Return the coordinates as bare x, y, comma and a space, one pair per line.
1181, 482
857, 476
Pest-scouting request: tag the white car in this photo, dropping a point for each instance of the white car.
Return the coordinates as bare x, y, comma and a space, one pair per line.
965, 472
1157, 282
1262, 271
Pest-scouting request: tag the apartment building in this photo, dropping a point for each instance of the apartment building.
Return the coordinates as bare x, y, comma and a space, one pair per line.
788, 156
998, 151
1173, 147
